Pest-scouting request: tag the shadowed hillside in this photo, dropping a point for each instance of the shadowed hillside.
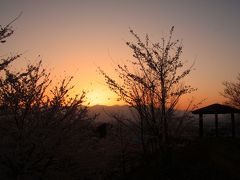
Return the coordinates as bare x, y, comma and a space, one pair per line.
105, 113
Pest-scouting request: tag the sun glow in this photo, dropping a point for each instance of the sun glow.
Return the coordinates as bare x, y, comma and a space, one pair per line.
101, 97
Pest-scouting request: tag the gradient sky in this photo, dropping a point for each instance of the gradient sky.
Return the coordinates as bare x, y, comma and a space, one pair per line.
74, 37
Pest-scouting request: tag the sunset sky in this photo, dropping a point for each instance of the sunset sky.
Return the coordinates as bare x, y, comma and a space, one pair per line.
74, 37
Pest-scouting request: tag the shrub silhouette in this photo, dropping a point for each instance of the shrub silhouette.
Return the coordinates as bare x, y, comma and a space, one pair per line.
232, 92
42, 127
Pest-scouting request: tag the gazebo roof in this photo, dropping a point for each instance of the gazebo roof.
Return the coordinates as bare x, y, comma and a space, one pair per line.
216, 109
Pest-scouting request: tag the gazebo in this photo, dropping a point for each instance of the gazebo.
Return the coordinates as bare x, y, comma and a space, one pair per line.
216, 109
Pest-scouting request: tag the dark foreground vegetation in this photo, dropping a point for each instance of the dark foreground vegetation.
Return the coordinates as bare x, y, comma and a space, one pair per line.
45, 133
208, 158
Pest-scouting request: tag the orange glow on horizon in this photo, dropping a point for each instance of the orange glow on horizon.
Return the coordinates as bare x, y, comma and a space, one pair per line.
108, 98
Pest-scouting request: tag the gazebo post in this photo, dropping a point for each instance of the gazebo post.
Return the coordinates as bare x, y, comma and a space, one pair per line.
201, 125
233, 124
216, 125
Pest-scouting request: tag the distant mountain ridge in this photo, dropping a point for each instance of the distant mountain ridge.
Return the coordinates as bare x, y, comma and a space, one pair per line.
105, 112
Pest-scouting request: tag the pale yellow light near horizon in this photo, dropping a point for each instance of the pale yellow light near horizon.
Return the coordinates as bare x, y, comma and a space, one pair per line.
99, 97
